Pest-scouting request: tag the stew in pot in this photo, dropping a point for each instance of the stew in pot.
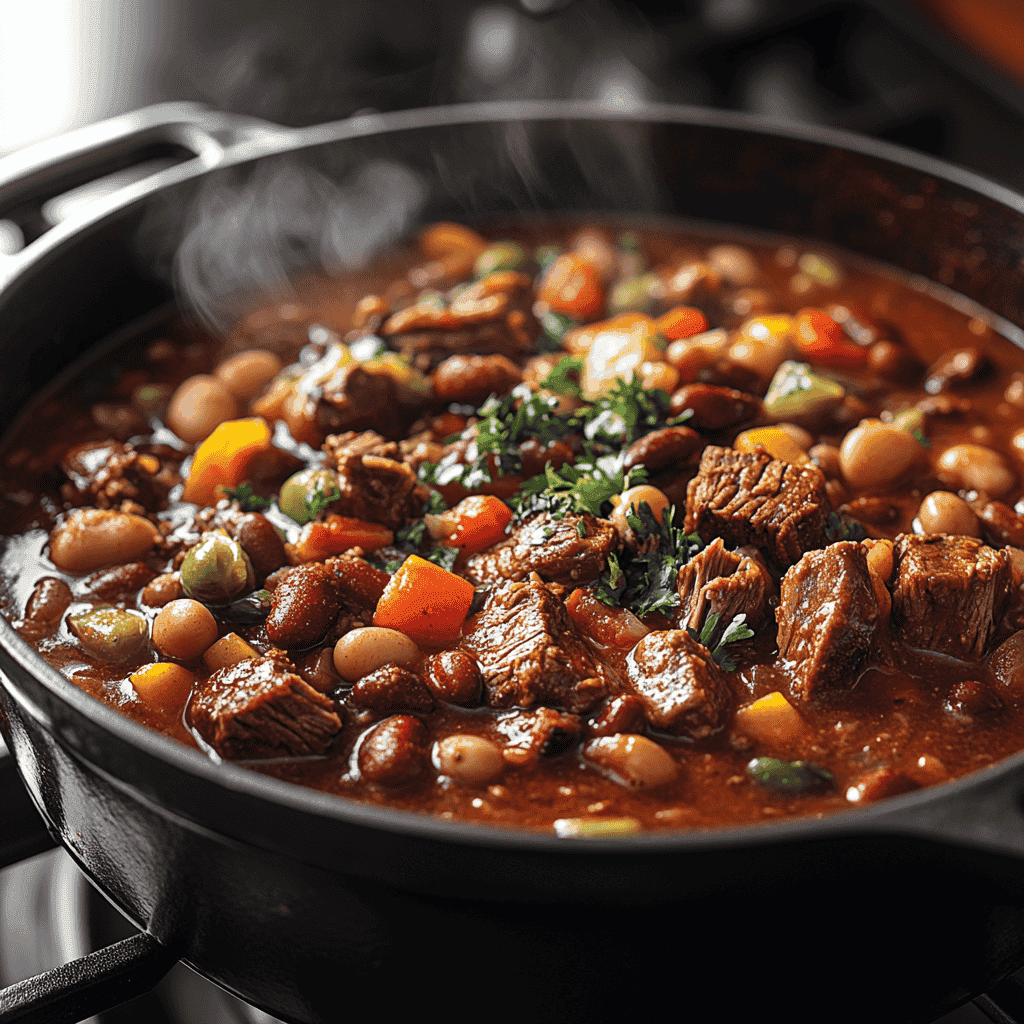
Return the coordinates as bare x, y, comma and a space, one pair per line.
595, 529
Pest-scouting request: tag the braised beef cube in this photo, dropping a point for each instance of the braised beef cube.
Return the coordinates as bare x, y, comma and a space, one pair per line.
751, 498
377, 488
684, 692
949, 593
552, 548
262, 708
106, 473
357, 398
339, 447
726, 583
828, 613
529, 651
544, 732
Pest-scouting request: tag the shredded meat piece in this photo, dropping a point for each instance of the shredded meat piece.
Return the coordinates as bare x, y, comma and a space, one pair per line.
751, 498
949, 593
106, 473
530, 652
550, 547
542, 732
683, 690
828, 613
262, 708
375, 487
726, 582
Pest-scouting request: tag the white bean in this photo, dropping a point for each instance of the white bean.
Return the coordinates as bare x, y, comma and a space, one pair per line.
944, 512
91, 538
364, 650
875, 453
975, 467
633, 761
469, 759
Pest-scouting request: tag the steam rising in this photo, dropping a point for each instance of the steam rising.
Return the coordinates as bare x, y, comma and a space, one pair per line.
251, 239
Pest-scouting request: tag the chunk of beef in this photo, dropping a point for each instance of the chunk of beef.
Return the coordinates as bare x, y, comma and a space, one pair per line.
550, 547
751, 498
683, 690
722, 582
949, 593
529, 652
106, 473
526, 735
492, 316
827, 615
260, 709
374, 487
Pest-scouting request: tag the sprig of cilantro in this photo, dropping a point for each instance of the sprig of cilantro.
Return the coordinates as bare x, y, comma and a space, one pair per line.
248, 501
586, 486
558, 379
646, 582
626, 411
316, 502
736, 631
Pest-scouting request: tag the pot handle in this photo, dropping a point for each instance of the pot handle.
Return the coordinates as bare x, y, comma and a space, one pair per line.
152, 138
97, 982
24, 833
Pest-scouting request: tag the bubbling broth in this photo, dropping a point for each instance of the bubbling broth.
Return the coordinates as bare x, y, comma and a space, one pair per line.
588, 528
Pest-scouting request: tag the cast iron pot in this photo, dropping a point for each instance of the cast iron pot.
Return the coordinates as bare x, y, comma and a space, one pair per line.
311, 907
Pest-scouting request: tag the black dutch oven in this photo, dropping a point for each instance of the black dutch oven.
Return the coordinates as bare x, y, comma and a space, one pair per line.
312, 907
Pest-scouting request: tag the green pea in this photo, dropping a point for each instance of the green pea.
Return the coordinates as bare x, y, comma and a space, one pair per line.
790, 776
635, 294
304, 495
217, 570
111, 634
500, 256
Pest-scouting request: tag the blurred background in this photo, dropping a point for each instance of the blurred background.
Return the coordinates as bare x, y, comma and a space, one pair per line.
943, 76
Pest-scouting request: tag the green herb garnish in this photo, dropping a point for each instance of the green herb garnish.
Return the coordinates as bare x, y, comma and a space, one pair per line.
316, 502
790, 776
736, 630
558, 379
247, 500
626, 411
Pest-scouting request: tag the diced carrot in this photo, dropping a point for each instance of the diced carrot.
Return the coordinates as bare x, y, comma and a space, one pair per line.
615, 627
222, 460
770, 719
334, 535
775, 441
573, 287
227, 651
824, 341
480, 521
163, 685
682, 322
426, 602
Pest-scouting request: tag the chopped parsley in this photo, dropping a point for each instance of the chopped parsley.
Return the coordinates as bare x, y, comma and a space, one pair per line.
558, 379
646, 581
626, 411
736, 631
587, 486
838, 527
315, 503
247, 500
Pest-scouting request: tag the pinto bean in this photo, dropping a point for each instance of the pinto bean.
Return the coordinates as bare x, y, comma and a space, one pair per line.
1001, 525
392, 688
943, 512
247, 374
470, 379
714, 407
162, 589
622, 714
974, 467
468, 759
894, 362
454, 677
303, 606
261, 542
971, 700
49, 601
116, 583
184, 630
200, 405
633, 761
394, 751
1007, 664
663, 449
874, 454
317, 668
362, 651
90, 538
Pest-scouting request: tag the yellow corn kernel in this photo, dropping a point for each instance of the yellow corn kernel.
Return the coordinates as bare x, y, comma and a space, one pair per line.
777, 442
770, 719
763, 328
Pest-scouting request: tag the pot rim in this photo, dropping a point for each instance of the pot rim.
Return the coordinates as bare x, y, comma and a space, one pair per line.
905, 814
